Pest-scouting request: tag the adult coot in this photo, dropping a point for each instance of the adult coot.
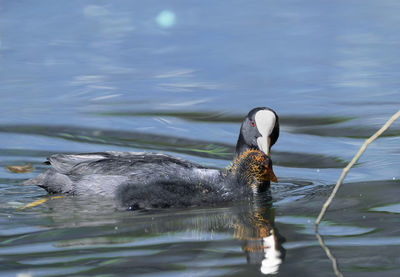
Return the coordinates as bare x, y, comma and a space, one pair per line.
149, 180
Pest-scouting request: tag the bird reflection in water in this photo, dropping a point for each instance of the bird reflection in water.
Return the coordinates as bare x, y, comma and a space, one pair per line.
262, 242
250, 222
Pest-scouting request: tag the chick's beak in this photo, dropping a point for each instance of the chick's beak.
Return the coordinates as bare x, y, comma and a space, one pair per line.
271, 174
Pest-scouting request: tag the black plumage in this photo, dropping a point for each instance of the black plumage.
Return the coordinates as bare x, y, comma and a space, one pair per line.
149, 180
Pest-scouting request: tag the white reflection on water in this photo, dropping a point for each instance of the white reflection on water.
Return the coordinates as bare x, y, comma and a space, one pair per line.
273, 259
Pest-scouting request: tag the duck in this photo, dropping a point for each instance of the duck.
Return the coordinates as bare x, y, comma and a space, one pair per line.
144, 180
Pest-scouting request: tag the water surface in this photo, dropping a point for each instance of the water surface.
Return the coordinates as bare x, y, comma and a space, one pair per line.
178, 77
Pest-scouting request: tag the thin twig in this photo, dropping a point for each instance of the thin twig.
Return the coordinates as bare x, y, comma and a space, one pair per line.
336, 188
347, 168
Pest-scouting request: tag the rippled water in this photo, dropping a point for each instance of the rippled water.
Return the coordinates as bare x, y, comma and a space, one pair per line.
178, 77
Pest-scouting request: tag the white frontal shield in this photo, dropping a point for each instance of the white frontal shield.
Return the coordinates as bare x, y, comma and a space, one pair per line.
265, 122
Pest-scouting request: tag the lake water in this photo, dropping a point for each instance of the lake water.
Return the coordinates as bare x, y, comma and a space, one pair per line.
177, 77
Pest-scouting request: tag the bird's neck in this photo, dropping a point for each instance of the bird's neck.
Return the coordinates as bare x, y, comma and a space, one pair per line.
241, 147
251, 169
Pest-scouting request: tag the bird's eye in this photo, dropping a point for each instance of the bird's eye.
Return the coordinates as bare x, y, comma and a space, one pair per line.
252, 123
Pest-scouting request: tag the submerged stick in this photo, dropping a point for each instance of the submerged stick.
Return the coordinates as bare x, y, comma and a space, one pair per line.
353, 161
330, 256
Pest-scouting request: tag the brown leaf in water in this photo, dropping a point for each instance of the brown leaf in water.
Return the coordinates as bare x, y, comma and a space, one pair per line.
20, 168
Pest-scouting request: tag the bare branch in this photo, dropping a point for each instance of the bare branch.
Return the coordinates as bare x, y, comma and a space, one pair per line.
347, 168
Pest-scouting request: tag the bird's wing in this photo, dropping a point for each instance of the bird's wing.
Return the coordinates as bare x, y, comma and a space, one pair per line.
110, 161
63, 163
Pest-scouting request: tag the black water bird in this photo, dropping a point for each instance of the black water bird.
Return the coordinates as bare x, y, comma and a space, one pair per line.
149, 180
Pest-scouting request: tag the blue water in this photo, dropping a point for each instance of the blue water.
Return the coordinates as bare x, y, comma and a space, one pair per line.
177, 77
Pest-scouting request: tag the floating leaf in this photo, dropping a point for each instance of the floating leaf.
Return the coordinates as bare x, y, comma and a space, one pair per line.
20, 168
